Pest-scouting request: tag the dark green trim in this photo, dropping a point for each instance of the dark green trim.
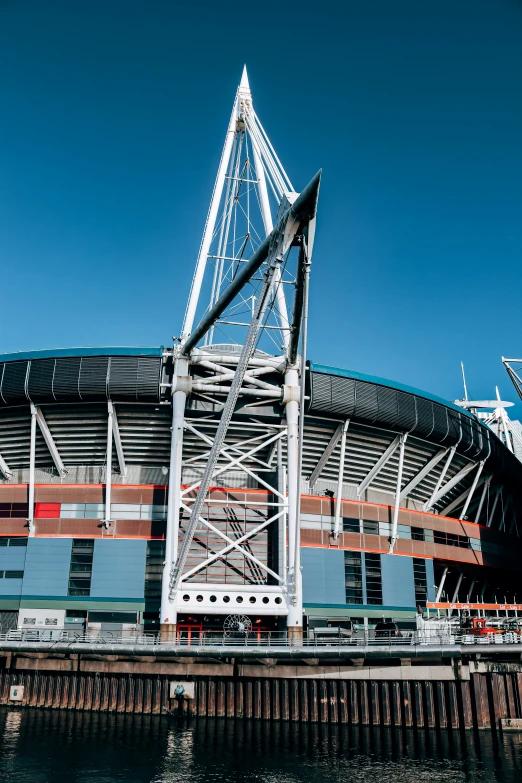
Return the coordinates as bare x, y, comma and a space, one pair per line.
75, 598
366, 607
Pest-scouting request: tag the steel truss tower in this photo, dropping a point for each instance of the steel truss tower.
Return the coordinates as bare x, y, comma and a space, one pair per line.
252, 271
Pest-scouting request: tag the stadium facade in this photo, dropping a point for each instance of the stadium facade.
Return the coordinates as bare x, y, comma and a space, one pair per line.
75, 558
228, 479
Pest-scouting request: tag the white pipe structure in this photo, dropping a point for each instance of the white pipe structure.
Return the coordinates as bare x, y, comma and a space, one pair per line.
295, 602
339, 500
379, 465
32, 461
471, 490
487, 485
243, 260
5, 469
117, 441
493, 508
210, 226
441, 478
168, 610
456, 592
457, 588
441, 585
393, 537
268, 224
222, 230
108, 467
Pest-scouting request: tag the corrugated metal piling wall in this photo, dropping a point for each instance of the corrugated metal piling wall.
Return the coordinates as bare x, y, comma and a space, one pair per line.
480, 702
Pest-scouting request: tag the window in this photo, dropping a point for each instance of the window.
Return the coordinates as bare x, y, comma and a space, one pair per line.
13, 574
76, 614
373, 578
417, 533
18, 541
420, 581
14, 510
450, 539
371, 527
82, 510
353, 577
154, 568
403, 531
80, 572
118, 511
351, 525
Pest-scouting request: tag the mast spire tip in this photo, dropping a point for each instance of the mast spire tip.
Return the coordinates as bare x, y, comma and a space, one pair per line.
244, 84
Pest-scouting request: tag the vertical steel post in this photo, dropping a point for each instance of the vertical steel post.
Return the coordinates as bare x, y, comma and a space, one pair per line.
393, 537
482, 498
441, 585
295, 601
471, 491
456, 592
339, 500
282, 523
108, 468
32, 460
168, 611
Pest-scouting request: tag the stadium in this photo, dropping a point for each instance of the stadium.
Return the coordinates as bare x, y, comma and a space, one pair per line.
237, 483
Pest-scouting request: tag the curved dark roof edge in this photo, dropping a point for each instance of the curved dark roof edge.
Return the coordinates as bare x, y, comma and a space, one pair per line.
56, 353
326, 369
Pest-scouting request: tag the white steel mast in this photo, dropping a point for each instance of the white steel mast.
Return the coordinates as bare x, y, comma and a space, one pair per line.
249, 253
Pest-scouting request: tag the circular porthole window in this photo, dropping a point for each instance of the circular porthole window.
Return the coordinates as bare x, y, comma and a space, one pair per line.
265, 600
213, 599
199, 598
186, 597
252, 599
278, 600
239, 599
226, 599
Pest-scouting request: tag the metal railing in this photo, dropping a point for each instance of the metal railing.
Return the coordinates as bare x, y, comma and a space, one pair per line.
264, 639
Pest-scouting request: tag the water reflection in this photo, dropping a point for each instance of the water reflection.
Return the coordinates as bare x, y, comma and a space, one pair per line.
38, 746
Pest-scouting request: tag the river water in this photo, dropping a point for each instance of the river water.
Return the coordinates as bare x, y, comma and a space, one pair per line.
46, 746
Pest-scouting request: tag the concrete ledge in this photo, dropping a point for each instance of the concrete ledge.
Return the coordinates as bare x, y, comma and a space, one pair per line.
511, 724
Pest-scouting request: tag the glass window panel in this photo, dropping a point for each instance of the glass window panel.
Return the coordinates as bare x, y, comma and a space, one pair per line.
351, 525
126, 507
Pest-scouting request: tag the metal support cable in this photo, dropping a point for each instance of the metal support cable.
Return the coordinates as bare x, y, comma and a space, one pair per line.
304, 318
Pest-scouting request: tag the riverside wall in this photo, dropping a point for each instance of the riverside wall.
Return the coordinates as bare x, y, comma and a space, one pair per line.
449, 694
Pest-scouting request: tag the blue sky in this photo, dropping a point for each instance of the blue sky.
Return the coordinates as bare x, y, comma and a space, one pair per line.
113, 114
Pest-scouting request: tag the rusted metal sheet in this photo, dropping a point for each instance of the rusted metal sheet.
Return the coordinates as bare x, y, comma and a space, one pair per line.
465, 700
407, 711
333, 701
314, 702
418, 706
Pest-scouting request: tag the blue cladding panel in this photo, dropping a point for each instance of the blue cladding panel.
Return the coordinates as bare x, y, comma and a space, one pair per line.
10, 586
12, 558
323, 576
430, 578
398, 588
118, 568
47, 566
